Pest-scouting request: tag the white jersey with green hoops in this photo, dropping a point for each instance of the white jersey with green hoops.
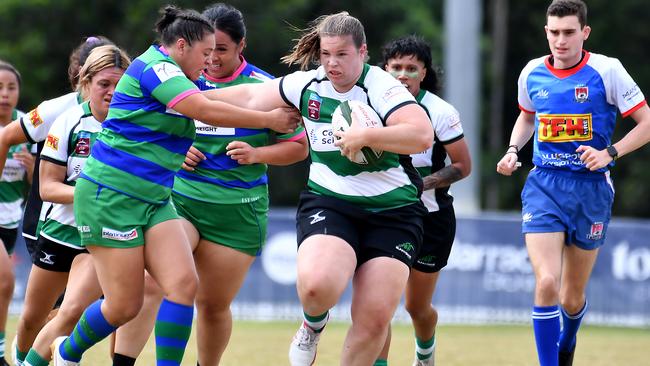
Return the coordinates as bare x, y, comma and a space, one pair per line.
68, 144
385, 185
12, 185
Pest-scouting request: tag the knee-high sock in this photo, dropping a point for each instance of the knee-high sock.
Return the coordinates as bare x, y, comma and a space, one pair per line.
91, 328
546, 324
173, 328
570, 326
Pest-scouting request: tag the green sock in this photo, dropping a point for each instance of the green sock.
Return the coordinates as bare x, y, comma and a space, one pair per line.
20, 355
2, 344
424, 349
34, 359
380, 362
318, 322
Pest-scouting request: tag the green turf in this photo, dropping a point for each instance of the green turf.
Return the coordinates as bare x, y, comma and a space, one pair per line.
265, 343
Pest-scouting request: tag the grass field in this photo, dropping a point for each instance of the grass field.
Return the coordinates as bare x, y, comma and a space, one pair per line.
265, 343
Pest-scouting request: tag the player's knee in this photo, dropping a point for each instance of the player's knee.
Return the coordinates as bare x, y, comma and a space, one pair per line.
548, 286
7, 280
572, 303
152, 290
71, 312
183, 288
419, 309
313, 289
121, 312
373, 324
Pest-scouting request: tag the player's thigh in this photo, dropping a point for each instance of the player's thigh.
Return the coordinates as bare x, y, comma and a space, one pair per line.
221, 271
169, 257
120, 272
377, 288
576, 269
545, 253
419, 289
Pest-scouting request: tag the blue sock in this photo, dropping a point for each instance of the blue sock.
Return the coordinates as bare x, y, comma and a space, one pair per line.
91, 328
570, 326
173, 328
546, 324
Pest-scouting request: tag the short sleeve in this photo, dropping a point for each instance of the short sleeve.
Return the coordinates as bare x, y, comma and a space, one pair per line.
292, 85
167, 83
37, 122
386, 93
56, 142
625, 93
446, 123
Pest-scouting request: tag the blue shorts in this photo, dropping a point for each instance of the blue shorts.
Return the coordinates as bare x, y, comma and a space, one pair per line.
579, 204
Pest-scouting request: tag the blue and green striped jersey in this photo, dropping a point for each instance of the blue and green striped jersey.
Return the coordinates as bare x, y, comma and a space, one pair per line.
144, 140
220, 179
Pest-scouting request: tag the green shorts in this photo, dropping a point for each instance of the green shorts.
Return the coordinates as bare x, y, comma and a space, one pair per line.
238, 226
111, 219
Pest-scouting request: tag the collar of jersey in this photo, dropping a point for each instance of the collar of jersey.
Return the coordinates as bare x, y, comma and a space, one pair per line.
565, 73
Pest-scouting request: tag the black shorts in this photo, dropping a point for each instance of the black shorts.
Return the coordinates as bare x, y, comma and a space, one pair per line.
8, 237
55, 257
32, 247
439, 233
395, 233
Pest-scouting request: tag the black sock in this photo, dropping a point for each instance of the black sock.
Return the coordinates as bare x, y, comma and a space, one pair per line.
121, 360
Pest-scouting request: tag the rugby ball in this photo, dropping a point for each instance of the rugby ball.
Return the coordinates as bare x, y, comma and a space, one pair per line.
364, 117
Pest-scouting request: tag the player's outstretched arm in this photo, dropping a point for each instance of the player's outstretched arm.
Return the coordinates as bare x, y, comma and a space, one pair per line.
522, 131
217, 111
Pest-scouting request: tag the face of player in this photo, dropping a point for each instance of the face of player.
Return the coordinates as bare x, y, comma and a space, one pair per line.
565, 39
409, 70
342, 60
9, 91
225, 57
101, 89
195, 58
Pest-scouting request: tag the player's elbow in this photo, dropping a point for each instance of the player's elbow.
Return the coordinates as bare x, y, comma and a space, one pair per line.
423, 140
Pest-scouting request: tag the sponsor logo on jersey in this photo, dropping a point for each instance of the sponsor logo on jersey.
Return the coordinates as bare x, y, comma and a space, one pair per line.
406, 248
52, 142
596, 232
313, 106
581, 93
82, 148
395, 91
35, 118
166, 71
542, 94
527, 217
564, 127
119, 235
631, 93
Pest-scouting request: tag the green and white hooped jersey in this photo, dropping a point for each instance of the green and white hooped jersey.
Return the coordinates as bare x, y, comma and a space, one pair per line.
220, 179
68, 144
144, 140
447, 129
12, 185
37, 122
384, 186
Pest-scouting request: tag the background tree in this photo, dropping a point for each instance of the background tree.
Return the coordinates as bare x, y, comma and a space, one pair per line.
37, 36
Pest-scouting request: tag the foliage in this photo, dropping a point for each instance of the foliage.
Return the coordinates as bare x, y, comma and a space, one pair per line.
37, 36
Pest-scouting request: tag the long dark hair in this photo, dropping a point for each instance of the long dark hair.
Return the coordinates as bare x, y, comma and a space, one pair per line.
175, 23
413, 45
227, 19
